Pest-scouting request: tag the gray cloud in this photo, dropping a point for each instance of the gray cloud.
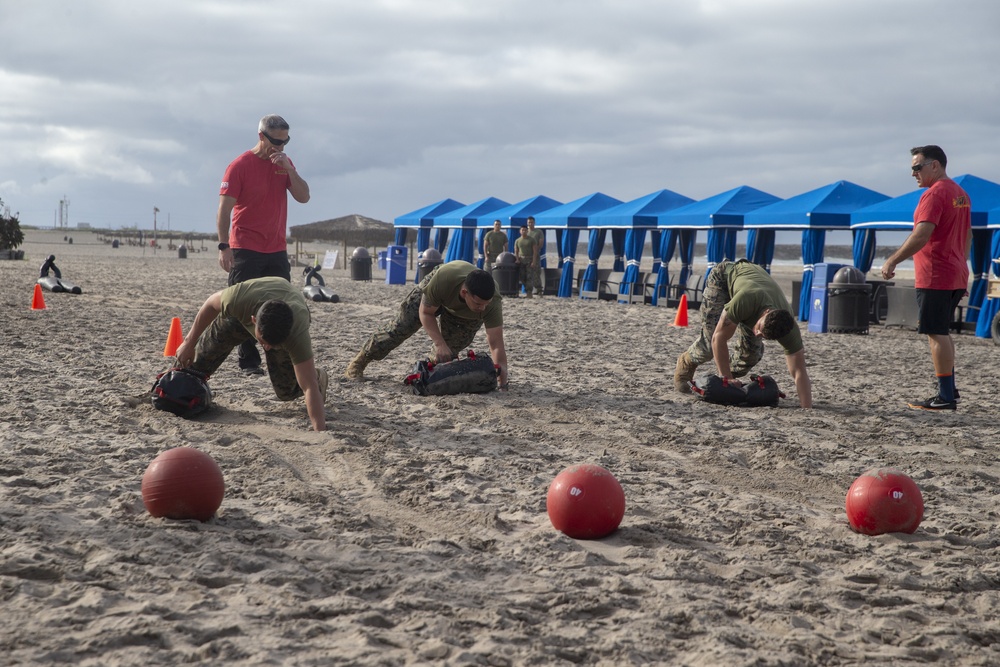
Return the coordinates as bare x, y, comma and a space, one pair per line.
398, 103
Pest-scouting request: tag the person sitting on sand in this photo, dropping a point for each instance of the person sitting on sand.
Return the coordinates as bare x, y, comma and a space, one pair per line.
742, 298
274, 312
463, 298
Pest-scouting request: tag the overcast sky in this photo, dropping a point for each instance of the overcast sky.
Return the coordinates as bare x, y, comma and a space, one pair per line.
121, 106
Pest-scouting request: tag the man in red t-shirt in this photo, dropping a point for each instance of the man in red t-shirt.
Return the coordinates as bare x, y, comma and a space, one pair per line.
939, 244
253, 215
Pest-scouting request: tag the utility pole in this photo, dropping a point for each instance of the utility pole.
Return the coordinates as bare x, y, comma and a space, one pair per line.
64, 212
155, 211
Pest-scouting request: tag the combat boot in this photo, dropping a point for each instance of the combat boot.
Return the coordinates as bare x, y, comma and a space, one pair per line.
356, 369
684, 373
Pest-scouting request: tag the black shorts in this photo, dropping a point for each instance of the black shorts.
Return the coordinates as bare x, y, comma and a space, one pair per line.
248, 264
936, 308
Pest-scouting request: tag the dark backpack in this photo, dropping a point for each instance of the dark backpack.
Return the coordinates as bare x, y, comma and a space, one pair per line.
182, 391
762, 391
472, 375
715, 389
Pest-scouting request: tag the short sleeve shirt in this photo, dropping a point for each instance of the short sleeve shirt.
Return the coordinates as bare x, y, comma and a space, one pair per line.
942, 264
261, 212
243, 300
443, 290
752, 292
525, 246
495, 242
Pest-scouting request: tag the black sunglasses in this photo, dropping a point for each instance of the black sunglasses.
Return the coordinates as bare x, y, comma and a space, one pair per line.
276, 142
917, 167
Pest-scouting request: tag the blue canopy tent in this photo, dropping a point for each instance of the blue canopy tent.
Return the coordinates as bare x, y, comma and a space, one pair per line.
826, 208
465, 222
722, 215
422, 220
636, 217
572, 217
991, 306
515, 216
897, 214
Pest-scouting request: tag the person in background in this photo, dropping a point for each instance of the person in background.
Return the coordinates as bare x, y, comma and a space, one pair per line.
939, 245
494, 243
253, 215
526, 254
535, 269
741, 299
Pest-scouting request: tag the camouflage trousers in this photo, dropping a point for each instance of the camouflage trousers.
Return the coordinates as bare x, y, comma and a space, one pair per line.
458, 333
225, 334
746, 350
531, 278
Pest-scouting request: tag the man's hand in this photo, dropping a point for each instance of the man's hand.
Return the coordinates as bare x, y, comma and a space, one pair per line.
281, 161
442, 353
185, 353
226, 259
888, 270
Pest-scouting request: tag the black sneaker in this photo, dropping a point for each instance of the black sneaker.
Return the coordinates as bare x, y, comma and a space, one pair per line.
252, 370
934, 403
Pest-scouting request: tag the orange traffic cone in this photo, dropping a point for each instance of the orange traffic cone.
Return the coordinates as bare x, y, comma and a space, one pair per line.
681, 320
38, 301
174, 338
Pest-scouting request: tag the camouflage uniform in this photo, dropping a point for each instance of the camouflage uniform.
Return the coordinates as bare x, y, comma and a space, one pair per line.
748, 350
458, 333
226, 333
535, 273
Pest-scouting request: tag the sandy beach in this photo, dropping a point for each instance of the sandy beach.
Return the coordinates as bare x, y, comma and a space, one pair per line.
414, 531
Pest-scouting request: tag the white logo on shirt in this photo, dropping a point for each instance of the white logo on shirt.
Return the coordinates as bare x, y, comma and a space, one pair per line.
225, 184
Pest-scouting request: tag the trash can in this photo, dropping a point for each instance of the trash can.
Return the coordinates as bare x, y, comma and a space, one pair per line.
822, 276
361, 265
381, 260
395, 265
505, 273
427, 261
182, 251
848, 302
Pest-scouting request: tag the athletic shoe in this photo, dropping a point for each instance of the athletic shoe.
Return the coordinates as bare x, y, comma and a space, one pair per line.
934, 403
252, 370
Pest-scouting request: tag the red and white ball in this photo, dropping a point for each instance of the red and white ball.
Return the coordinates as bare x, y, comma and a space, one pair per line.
585, 502
884, 500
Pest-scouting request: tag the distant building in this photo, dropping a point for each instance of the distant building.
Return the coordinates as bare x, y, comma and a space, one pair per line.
83, 225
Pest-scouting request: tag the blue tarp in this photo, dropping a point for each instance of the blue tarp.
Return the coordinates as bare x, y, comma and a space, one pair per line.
573, 215
828, 207
637, 216
722, 215
465, 222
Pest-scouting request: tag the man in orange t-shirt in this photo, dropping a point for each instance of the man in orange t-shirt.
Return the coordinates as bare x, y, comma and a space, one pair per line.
253, 214
939, 244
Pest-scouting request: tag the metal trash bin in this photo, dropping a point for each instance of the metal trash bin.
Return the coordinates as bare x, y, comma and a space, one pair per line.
427, 261
361, 265
182, 251
505, 273
848, 302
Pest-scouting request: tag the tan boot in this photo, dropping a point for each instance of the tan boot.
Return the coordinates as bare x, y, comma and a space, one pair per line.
323, 378
684, 373
356, 369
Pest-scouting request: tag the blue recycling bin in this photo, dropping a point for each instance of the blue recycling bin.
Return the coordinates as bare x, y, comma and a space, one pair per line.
822, 277
381, 260
395, 265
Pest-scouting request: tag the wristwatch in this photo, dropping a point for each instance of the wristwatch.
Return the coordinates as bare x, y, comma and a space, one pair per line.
223, 246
